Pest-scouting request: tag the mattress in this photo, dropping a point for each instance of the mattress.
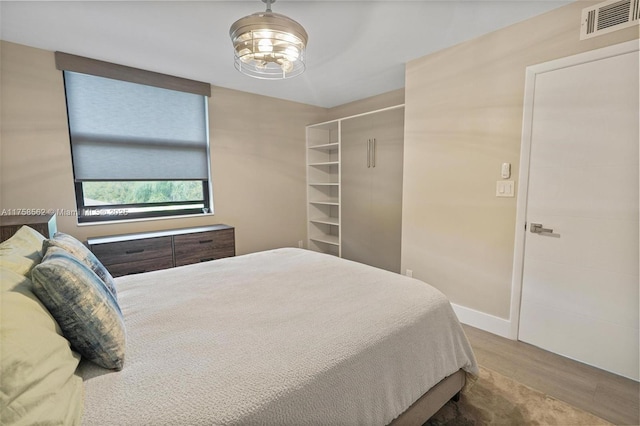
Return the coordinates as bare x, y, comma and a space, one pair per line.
281, 337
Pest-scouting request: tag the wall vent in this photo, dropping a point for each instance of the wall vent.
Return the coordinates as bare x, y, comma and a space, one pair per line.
609, 16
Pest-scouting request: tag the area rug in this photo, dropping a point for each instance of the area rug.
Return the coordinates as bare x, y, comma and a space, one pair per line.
493, 399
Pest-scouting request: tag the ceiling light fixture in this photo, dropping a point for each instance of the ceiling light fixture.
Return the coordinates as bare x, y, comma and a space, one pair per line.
269, 45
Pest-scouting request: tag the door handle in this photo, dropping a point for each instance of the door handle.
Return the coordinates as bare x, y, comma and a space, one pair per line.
536, 228
373, 153
368, 153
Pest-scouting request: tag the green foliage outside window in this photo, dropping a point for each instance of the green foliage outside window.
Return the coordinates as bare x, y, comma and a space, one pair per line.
98, 193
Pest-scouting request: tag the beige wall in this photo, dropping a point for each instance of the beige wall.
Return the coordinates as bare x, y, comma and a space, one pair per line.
257, 156
463, 119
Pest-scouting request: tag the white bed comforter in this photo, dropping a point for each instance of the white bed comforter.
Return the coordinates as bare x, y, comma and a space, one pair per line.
282, 337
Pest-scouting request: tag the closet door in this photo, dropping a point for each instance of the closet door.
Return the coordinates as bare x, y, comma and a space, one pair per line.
372, 150
386, 187
356, 189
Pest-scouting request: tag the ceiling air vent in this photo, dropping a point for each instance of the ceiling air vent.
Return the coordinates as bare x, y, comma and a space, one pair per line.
609, 16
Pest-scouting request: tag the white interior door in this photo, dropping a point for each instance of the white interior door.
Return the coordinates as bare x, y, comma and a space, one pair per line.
580, 282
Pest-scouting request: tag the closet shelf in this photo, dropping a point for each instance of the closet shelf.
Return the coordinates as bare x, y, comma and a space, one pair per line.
327, 239
326, 220
325, 146
327, 202
325, 163
323, 187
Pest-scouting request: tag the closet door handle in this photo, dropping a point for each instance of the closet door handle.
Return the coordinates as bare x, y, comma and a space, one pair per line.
373, 153
368, 153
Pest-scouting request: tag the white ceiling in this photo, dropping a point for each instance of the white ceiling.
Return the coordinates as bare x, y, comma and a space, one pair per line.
356, 48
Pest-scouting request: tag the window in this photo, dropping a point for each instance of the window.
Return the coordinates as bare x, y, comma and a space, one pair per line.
139, 141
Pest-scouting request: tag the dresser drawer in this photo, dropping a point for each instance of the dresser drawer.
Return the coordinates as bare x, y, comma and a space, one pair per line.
135, 253
204, 246
133, 250
137, 267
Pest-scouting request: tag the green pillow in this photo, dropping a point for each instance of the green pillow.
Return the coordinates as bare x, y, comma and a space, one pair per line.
37, 366
22, 251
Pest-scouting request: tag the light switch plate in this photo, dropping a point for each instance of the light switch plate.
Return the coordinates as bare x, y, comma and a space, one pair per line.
505, 188
505, 171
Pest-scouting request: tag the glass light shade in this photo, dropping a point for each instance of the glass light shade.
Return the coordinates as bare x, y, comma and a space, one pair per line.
269, 45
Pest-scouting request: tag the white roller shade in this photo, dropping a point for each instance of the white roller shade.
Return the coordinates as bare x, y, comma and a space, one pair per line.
129, 131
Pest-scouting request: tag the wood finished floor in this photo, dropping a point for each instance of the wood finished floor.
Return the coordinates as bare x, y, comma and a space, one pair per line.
606, 395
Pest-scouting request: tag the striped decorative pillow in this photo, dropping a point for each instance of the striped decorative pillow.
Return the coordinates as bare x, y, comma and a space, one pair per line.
82, 253
85, 309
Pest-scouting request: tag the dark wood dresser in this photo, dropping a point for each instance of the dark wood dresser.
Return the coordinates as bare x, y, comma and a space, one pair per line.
150, 251
43, 223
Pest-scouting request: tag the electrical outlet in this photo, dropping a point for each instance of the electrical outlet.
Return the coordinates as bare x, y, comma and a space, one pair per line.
300, 244
409, 273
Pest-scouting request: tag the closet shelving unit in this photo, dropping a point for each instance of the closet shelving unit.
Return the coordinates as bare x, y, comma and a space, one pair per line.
354, 196
323, 187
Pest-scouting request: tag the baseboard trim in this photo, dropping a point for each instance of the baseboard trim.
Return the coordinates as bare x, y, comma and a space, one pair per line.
483, 321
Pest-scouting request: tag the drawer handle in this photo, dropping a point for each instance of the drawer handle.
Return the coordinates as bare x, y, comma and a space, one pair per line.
207, 259
205, 241
134, 251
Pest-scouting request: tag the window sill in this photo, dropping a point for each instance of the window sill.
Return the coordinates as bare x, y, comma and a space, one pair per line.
143, 219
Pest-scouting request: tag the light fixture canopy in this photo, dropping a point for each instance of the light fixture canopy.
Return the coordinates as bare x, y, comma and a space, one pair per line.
269, 45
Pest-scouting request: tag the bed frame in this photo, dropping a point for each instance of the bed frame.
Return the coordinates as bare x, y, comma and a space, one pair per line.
429, 403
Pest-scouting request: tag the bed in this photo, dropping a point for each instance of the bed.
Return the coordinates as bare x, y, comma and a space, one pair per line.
281, 337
